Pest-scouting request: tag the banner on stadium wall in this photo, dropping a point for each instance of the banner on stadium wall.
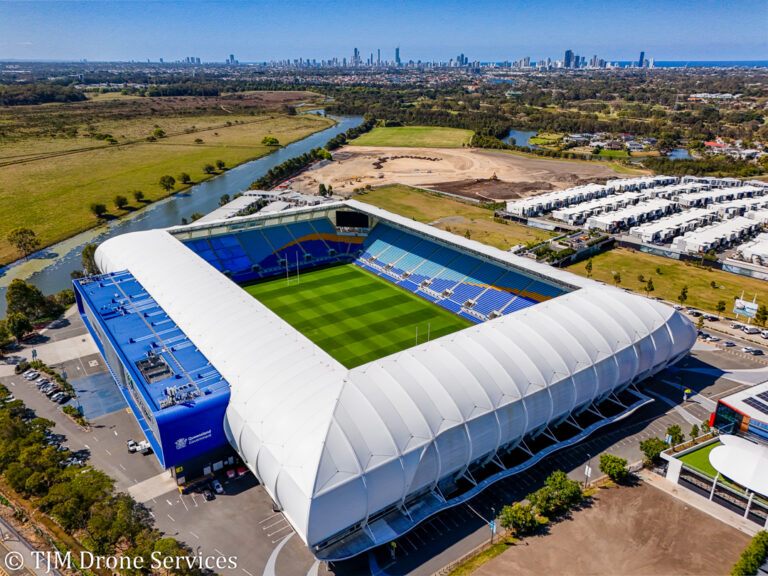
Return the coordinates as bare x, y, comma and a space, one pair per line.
744, 308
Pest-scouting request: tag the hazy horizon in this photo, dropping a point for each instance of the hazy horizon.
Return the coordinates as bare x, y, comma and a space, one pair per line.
137, 30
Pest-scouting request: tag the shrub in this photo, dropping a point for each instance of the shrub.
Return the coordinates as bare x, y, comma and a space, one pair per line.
753, 557
614, 467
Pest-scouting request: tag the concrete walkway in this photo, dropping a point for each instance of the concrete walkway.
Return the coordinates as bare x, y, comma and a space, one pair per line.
700, 503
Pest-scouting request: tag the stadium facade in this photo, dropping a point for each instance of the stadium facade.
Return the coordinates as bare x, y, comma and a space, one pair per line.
356, 457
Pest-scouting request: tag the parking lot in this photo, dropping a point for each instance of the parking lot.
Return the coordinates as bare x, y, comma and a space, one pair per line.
241, 521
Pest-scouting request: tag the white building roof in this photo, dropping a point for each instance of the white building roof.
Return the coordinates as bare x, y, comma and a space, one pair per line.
334, 446
743, 461
704, 238
757, 248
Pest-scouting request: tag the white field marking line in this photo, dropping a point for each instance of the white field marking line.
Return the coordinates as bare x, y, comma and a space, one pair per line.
123, 468
246, 571
151, 514
312, 569
195, 535
169, 502
270, 517
107, 451
268, 526
219, 552
185, 504
194, 500
97, 440
171, 517
286, 527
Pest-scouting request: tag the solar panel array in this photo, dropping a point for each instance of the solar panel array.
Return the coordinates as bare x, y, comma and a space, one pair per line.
757, 405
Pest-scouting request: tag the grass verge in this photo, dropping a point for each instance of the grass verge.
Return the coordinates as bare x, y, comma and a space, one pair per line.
415, 136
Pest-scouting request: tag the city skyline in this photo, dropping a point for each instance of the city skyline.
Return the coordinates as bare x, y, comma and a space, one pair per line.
494, 32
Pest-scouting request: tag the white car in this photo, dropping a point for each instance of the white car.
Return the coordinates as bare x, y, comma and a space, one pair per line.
751, 330
713, 339
678, 307
747, 349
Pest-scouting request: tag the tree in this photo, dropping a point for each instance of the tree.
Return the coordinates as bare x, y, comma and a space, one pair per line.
195, 216
700, 323
518, 517
713, 284
614, 467
270, 141
198, 140
224, 199
649, 287
167, 182
24, 240
209, 169
588, 268
18, 325
158, 133
761, 315
185, 178
652, 449
88, 260
138, 195
468, 234
558, 494
683, 295
24, 298
658, 270
220, 164
120, 202
705, 429
617, 278
640, 278
720, 307
676, 435
322, 190
98, 210
694, 431
753, 557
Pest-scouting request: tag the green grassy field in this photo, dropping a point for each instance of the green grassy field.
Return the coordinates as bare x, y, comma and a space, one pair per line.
354, 315
674, 275
52, 195
416, 136
452, 215
699, 460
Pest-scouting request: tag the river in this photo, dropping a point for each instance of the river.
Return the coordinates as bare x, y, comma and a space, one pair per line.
50, 269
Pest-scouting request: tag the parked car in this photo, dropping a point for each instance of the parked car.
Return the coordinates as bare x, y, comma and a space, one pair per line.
64, 398
131, 444
728, 344
713, 339
27, 372
7, 399
678, 307
764, 334
751, 330
55, 397
208, 495
757, 352
230, 473
694, 313
241, 471
217, 487
52, 391
711, 318
737, 325
32, 376
747, 349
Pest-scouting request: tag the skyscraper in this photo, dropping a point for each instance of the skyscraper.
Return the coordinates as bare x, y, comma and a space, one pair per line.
568, 60
378, 57
397, 55
641, 60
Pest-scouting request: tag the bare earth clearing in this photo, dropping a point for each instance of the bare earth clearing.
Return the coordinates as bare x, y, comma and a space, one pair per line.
630, 531
466, 172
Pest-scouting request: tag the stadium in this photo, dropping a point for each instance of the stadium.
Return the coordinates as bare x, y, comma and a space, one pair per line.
370, 370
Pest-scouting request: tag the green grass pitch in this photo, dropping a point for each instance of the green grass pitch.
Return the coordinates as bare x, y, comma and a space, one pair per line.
352, 314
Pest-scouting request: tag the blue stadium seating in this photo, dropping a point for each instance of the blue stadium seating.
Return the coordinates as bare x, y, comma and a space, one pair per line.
454, 278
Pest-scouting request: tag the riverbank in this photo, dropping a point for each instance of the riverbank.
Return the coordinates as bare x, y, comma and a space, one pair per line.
37, 193
50, 269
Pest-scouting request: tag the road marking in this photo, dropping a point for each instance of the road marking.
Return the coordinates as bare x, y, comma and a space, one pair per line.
194, 500
286, 527
171, 517
269, 569
107, 451
195, 535
268, 526
219, 552
123, 468
185, 504
87, 447
270, 517
115, 432
312, 569
169, 502
246, 571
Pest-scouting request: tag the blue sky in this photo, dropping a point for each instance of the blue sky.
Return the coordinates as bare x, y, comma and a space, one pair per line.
259, 30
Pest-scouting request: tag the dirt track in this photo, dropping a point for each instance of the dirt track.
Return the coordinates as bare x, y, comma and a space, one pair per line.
467, 172
630, 531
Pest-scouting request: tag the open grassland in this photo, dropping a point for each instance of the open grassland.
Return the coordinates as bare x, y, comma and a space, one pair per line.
452, 215
415, 136
672, 277
354, 315
48, 187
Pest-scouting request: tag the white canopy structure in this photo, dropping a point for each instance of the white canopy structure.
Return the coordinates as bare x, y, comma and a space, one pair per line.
742, 461
336, 448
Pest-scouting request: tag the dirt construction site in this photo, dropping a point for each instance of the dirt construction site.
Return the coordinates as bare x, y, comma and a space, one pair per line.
478, 174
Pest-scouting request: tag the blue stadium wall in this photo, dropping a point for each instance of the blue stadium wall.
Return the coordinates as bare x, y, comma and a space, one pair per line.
181, 436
